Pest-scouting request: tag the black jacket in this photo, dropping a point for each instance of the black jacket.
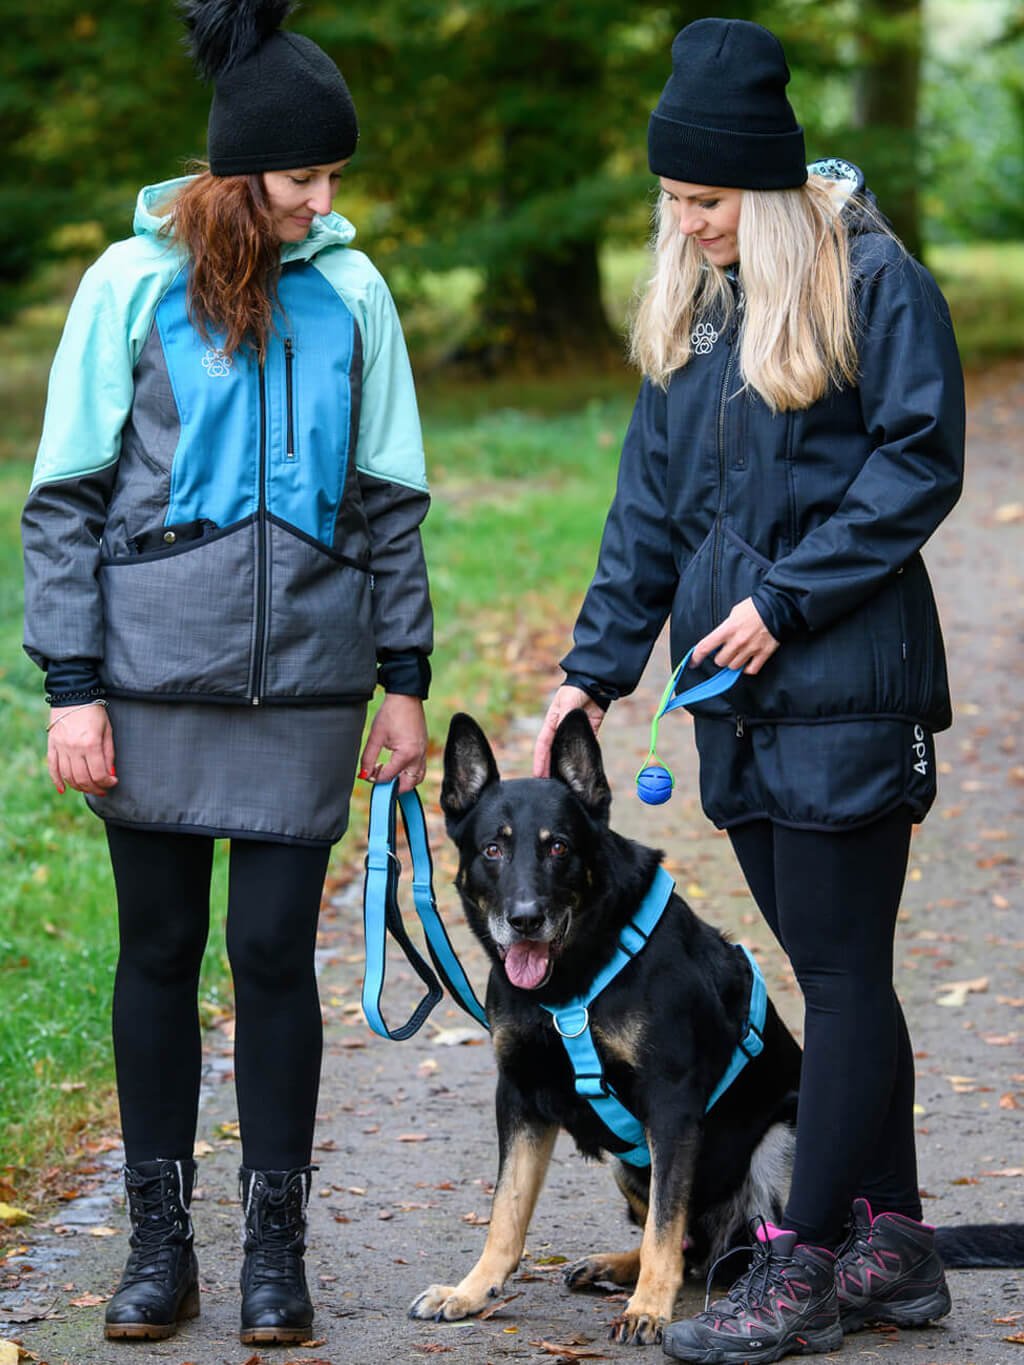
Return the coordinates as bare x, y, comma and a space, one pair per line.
819, 515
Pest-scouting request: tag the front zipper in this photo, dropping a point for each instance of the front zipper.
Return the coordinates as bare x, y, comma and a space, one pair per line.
262, 557
716, 555
739, 727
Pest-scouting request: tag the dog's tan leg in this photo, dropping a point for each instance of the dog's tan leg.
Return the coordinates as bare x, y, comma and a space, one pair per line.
649, 1310
520, 1179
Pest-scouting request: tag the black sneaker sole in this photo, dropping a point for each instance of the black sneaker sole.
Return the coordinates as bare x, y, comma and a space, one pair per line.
796, 1344
917, 1312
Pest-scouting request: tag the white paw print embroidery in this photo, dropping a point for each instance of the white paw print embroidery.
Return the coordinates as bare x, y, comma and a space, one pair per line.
703, 338
217, 364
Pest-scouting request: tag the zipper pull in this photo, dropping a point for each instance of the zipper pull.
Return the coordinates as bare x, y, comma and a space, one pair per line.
739, 727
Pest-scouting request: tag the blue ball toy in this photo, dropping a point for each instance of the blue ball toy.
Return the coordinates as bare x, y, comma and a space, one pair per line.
654, 785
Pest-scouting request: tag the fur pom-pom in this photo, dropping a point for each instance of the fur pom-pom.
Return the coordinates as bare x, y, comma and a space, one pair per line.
221, 33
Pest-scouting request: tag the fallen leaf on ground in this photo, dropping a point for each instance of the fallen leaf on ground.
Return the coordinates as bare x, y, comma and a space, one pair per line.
955, 993
412, 1137
202, 1148
567, 1352
1006, 513
1008, 1101
9, 1353
457, 1037
496, 1307
101, 1230
433, 1348
88, 1300
1017, 1338
477, 1220
1008, 1171
229, 1130
12, 1216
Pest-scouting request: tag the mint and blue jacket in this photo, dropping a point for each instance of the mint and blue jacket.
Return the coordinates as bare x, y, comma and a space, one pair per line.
204, 528
819, 515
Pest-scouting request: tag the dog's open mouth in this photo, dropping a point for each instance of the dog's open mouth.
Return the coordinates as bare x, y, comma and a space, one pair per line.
528, 964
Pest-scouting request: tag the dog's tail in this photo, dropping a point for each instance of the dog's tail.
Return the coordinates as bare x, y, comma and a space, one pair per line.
977, 1245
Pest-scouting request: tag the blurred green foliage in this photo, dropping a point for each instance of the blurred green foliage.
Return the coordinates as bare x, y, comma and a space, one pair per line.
509, 135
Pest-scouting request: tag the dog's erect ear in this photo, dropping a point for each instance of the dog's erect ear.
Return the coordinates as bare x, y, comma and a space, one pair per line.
469, 766
576, 761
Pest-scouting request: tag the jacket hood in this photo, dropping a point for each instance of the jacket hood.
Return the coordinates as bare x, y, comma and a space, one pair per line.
151, 214
858, 204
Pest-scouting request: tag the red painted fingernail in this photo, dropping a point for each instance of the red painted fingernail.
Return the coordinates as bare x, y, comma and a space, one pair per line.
364, 774
113, 772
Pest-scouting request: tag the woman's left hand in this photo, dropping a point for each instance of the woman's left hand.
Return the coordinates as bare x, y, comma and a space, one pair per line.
400, 726
741, 641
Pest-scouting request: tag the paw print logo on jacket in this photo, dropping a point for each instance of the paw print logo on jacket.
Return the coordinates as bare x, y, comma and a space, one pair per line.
217, 364
703, 338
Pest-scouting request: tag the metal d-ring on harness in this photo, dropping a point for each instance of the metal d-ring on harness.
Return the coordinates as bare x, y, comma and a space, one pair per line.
381, 915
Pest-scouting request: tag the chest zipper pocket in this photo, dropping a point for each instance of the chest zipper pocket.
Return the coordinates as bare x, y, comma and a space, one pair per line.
289, 396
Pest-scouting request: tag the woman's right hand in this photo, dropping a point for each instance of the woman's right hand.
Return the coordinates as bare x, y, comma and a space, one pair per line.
80, 749
566, 699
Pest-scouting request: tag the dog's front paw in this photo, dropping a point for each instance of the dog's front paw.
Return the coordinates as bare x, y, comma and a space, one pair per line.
443, 1303
610, 1268
637, 1329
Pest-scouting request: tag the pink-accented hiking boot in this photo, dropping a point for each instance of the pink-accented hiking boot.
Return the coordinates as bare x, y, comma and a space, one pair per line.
889, 1271
784, 1305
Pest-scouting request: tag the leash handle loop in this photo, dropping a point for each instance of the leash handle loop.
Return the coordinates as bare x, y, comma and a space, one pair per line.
700, 691
382, 916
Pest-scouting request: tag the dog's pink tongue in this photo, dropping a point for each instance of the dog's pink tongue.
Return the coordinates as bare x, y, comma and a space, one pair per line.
526, 964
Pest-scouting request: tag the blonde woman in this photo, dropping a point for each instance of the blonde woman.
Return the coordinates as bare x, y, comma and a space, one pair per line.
797, 438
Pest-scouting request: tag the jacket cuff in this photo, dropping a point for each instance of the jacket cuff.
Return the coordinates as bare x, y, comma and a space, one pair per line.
73, 682
407, 674
596, 691
779, 613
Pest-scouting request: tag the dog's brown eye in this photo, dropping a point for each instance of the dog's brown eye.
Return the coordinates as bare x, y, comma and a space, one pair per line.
558, 848
492, 850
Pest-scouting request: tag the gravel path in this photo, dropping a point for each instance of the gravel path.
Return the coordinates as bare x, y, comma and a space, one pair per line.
405, 1138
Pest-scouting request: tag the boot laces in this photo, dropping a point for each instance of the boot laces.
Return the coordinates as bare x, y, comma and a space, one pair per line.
278, 1234
753, 1287
158, 1230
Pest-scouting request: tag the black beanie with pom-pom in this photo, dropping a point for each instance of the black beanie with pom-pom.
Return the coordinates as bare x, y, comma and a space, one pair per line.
279, 102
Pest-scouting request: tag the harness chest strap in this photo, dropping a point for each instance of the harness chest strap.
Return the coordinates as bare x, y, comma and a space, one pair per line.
572, 1023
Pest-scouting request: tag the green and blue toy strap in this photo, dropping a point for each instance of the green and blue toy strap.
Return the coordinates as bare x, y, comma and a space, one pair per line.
381, 915
654, 779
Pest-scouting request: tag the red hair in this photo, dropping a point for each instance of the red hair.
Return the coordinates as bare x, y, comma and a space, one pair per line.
224, 225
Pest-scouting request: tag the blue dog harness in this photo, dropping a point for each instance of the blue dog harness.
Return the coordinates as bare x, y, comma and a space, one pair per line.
381, 915
572, 1023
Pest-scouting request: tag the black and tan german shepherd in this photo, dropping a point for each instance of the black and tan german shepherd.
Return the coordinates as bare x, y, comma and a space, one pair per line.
547, 887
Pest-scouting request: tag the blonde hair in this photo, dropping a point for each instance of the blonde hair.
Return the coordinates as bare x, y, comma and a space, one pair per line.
797, 334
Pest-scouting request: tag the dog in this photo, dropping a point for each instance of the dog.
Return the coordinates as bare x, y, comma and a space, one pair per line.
548, 888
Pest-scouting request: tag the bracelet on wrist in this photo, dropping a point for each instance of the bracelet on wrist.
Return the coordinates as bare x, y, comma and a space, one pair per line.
95, 701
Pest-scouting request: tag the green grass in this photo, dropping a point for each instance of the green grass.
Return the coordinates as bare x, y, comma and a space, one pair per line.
521, 471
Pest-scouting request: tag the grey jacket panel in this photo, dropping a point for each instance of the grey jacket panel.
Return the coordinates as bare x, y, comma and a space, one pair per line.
402, 616
149, 438
61, 528
320, 640
206, 634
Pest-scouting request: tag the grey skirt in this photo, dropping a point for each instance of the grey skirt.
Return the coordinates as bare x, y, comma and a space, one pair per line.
282, 773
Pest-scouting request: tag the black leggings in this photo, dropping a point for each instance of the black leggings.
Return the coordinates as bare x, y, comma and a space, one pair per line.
163, 898
831, 901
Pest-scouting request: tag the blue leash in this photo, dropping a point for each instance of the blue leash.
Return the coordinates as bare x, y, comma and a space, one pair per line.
654, 781
381, 915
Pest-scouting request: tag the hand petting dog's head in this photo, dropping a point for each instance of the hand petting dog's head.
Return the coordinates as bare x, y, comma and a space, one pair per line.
524, 845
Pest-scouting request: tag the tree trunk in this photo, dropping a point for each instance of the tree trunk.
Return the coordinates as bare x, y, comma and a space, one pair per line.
886, 110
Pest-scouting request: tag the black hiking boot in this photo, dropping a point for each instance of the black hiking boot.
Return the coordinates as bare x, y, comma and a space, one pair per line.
888, 1271
276, 1306
785, 1304
160, 1284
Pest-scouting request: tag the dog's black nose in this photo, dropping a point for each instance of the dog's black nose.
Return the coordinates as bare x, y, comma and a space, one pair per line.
526, 919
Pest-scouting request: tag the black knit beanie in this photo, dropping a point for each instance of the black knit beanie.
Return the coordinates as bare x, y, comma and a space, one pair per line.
723, 117
279, 102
